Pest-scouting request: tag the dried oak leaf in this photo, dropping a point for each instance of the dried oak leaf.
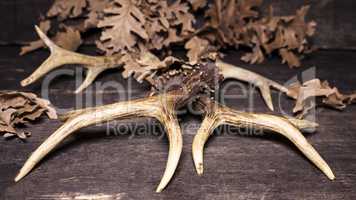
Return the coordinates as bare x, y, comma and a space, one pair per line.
179, 14
69, 39
64, 9
197, 47
246, 8
289, 57
124, 23
256, 56
306, 93
96, 12
196, 4
19, 108
166, 24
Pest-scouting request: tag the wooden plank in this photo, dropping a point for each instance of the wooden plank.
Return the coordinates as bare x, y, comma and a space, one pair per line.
129, 166
335, 20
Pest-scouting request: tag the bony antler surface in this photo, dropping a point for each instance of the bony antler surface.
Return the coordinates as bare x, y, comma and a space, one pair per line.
160, 107
60, 56
217, 115
264, 84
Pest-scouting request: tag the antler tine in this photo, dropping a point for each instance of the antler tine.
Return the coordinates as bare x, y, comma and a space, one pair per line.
223, 115
264, 84
60, 56
147, 107
175, 144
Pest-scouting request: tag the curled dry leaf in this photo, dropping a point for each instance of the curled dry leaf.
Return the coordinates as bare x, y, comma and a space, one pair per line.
145, 65
20, 108
306, 93
196, 48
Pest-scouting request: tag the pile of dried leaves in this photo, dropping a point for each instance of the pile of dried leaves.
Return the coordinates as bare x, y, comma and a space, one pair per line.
20, 108
142, 32
126, 25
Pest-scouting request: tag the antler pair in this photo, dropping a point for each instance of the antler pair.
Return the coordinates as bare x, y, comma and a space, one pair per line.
163, 107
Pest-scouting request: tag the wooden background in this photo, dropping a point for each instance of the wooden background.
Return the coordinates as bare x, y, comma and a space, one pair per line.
94, 164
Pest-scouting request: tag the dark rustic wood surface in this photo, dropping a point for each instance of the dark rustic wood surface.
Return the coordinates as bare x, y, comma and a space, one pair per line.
335, 19
94, 163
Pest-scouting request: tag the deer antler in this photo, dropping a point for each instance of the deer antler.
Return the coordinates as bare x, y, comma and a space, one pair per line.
160, 107
217, 115
264, 84
60, 56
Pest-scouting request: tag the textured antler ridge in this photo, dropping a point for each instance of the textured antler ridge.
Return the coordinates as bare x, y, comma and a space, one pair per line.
156, 107
264, 84
60, 57
219, 115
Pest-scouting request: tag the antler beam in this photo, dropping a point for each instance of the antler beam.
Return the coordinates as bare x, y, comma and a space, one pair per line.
264, 84
160, 107
60, 56
218, 115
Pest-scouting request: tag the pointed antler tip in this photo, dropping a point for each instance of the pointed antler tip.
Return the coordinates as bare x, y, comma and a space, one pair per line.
200, 169
329, 173
159, 190
18, 177
26, 82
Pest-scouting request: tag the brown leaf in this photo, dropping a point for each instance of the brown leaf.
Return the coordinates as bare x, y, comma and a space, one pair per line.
124, 23
196, 4
96, 12
172, 37
306, 93
246, 8
196, 48
65, 9
145, 65
289, 57
179, 13
255, 57
19, 108
69, 39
